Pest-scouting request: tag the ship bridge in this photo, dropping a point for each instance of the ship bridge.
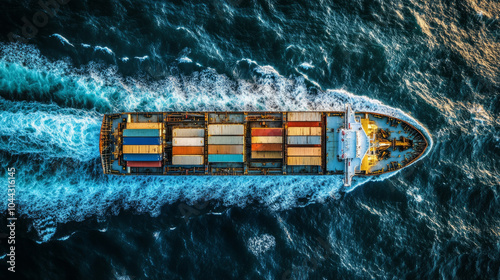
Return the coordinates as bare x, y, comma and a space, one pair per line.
353, 145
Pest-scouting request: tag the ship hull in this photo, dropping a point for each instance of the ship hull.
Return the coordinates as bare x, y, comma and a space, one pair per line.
257, 143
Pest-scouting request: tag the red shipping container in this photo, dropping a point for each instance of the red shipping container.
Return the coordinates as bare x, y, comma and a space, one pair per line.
267, 147
267, 131
143, 163
187, 150
304, 124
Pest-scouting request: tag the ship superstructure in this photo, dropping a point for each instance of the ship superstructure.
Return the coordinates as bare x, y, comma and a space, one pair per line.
258, 143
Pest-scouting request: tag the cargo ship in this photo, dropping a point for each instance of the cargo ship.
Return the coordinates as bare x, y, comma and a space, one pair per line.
344, 143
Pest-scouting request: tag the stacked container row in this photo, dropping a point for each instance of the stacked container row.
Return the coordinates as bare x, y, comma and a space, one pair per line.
226, 142
304, 138
188, 146
267, 143
141, 144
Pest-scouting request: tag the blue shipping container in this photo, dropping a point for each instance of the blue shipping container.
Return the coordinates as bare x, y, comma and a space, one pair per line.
142, 141
304, 140
225, 158
141, 157
141, 133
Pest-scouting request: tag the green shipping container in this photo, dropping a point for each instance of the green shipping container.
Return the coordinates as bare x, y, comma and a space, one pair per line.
225, 158
141, 133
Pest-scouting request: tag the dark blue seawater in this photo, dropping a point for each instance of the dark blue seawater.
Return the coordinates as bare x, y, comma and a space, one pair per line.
435, 64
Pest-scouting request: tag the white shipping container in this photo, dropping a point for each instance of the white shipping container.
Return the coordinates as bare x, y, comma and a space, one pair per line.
304, 140
191, 141
187, 160
226, 140
303, 160
267, 140
225, 129
188, 132
314, 131
304, 117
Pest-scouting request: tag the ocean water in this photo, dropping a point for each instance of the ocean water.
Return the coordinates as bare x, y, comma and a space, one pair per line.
435, 64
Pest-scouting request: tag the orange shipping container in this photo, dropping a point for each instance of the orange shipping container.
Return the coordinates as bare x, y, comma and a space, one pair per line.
225, 149
188, 150
296, 151
267, 147
267, 155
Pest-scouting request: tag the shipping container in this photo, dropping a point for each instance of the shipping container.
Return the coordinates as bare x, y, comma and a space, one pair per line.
225, 158
144, 163
141, 141
188, 150
141, 149
141, 133
144, 125
226, 140
191, 141
225, 149
142, 157
304, 160
187, 160
304, 117
304, 140
267, 139
299, 151
267, 155
295, 124
225, 129
314, 131
267, 147
267, 131
188, 132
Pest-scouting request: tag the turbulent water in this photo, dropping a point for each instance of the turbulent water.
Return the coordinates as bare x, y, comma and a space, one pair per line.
434, 64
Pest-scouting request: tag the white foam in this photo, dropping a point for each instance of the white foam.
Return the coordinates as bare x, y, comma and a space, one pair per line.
261, 244
104, 49
62, 39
